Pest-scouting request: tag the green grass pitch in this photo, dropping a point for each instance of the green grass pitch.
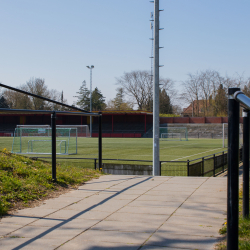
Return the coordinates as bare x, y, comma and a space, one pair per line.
134, 149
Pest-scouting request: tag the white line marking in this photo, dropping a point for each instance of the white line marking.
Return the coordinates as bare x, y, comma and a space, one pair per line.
195, 154
178, 146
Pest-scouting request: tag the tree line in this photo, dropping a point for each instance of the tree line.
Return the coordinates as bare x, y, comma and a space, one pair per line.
16, 100
208, 91
205, 91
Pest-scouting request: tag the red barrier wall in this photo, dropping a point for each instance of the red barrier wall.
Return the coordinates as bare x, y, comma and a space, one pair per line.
213, 119
197, 119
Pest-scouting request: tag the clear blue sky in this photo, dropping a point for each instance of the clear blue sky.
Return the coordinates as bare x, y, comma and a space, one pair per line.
57, 39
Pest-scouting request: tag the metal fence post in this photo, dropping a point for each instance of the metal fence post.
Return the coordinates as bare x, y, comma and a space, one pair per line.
53, 144
100, 141
214, 165
203, 171
233, 171
223, 162
188, 168
160, 168
245, 163
95, 164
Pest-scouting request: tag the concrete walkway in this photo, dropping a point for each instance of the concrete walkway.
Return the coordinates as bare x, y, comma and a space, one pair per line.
124, 212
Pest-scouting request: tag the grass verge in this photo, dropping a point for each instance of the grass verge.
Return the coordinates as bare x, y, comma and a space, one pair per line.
23, 180
244, 231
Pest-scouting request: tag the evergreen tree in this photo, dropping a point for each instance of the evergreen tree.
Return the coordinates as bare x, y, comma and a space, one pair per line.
3, 103
165, 104
98, 100
83, 99
220, 107
119, 99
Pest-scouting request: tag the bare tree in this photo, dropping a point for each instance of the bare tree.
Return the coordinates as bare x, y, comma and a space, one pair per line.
192, 91
210, 81
246, 88
35, 86
138, 85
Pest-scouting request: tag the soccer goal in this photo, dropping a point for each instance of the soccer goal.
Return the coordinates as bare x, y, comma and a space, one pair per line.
174, 133
38, 140
171, 136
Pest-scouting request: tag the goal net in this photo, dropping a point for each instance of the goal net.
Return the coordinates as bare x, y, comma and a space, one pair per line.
171, 136
38, 140
82, 130
166, 133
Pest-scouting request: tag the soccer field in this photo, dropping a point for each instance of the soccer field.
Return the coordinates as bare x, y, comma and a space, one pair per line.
137, 149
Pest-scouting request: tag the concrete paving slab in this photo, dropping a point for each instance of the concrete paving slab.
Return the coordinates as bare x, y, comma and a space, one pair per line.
126, 226
28, 231
18, 220
148, 210
174, 189
46, 222
65, 199
74, 223
76, 244
37, 212
79, 194
24, 243
145, 218
199, 230
204, 206
207, 221
206, 199
55, 205
168, 193
182, 241
201, 213
162, 248
7, 228
81, 206
12, 243
126, 196
114, 236
93, 215
157, 203
165, 198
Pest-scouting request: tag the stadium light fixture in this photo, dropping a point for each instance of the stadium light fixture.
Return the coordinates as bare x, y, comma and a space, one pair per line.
90, 106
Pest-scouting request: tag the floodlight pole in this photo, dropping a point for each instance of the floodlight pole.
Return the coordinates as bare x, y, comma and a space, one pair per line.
90, 106
156, 148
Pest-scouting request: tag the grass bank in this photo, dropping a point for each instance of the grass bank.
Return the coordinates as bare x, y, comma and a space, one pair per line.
23, 180
244, 231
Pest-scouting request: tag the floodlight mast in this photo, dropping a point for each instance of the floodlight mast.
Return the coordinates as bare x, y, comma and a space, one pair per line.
90, 105
156, 148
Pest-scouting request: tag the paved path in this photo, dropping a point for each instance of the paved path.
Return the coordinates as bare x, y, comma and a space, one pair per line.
124, 212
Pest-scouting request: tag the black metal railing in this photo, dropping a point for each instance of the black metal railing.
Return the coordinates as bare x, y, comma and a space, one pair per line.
210, 165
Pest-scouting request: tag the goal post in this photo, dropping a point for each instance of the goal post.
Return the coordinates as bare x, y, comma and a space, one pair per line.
38, 140
177, 133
